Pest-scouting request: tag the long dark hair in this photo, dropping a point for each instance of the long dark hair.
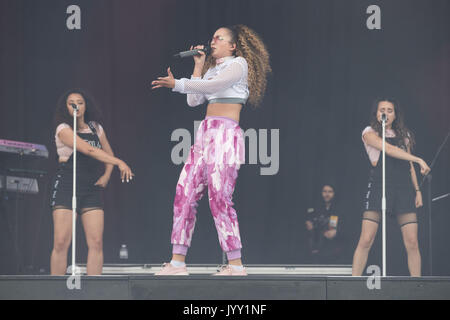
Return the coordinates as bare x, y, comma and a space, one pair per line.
399, 127
62, 115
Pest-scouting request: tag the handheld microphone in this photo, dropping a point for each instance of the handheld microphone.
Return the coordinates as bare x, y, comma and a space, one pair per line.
190, 53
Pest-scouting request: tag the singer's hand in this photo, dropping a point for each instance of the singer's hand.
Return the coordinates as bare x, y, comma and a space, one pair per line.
125, 172
200, 58
167, 82
419, 202
330, 234
424, 168
103, 181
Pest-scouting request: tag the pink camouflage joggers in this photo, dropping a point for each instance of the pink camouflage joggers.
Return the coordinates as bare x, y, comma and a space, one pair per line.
213, 162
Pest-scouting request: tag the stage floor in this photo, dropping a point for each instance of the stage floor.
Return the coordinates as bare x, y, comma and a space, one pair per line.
198, 286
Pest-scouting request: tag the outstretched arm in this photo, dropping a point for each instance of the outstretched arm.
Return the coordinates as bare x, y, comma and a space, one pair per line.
66, 137
227, 77
373, 140
230, 75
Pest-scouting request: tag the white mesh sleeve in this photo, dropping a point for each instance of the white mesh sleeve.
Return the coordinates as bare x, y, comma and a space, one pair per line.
195, 99
226, 78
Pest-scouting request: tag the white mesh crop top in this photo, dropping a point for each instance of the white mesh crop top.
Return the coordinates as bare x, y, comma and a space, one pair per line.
226, 82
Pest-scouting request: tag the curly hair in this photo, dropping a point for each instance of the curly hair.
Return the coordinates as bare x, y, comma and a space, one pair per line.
62, 115
249, 46
399, 127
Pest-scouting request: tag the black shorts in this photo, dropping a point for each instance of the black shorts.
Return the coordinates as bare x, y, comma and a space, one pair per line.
89, 196
400, 199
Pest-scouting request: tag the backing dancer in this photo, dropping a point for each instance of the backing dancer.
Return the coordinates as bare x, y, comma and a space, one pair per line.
233, 74
403, 195
93, 149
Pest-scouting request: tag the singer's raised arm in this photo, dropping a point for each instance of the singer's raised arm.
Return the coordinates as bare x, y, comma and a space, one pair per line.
225, 79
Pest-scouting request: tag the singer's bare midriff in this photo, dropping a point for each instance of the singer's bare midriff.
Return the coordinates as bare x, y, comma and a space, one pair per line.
229, 110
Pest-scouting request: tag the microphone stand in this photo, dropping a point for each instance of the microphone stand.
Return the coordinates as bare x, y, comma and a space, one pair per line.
383, 199
441, 197
429, 177
74, 192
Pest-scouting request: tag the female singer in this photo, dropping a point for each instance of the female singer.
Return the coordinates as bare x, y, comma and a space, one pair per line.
233, 74
401, 184
92, 149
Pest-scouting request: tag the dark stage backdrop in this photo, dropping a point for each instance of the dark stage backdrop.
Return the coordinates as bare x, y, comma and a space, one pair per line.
327, 69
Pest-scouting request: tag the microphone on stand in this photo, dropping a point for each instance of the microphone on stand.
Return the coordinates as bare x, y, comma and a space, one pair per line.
190, 53
74, 106
383, 195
